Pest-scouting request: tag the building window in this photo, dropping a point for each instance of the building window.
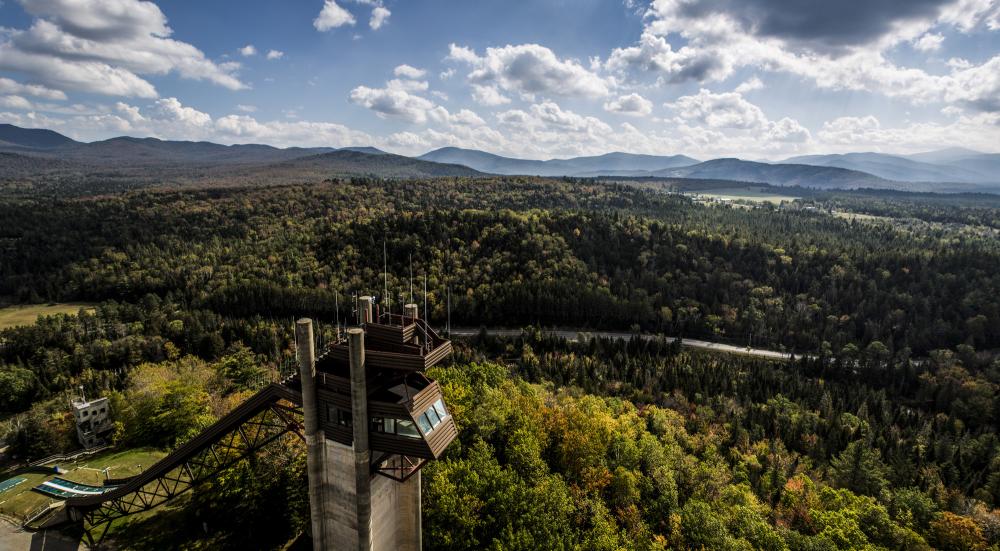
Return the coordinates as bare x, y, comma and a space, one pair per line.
439, 407
386, 425
432, 417
425, 424
345, 418
406, 428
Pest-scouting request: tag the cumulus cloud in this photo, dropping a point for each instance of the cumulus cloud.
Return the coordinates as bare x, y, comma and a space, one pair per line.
248, 50
750, 85
15, 102
408, 85
332, 16
814, 25
827, 44
9, 86
631, 104
929, 42
731, 111
104, 48
275, 54
530, 69
171, 109
488, 96
978, 131
408, 71
380, 16
727, 110
392, 102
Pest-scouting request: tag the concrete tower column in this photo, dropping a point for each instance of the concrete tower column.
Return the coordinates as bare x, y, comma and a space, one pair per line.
366, 309
359, 414
315, 456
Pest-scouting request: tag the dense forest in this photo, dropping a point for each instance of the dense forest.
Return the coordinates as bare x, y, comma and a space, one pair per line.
881, 435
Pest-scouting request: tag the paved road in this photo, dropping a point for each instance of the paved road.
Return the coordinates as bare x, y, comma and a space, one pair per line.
13, 538
570, 334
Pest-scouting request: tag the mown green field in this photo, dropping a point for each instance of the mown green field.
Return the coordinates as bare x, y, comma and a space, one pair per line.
753, 194
14, 316
19, 502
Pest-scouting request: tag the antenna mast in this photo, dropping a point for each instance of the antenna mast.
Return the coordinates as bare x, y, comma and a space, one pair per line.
385, 273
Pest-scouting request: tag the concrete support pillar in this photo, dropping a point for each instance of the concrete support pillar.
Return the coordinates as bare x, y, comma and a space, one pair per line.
366, 309
409, 530
362, 455
315, 456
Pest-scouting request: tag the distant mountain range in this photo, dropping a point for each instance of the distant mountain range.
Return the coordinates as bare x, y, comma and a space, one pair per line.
601, 165
955, 165
363, 162
819, 177
27, 152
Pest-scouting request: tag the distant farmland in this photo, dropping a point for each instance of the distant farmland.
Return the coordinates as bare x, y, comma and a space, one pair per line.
14, 316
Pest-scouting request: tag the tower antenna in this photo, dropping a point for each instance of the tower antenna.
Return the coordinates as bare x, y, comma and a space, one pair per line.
426, 315
385, 273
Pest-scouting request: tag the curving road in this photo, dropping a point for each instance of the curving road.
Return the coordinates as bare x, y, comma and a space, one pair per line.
571, 334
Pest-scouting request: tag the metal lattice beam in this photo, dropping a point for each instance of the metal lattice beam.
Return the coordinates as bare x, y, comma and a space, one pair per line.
235, 439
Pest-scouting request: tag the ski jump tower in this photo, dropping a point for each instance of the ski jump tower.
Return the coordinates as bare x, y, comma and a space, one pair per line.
372, 419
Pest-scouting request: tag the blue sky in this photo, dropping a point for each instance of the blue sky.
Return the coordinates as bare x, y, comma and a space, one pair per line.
707, 78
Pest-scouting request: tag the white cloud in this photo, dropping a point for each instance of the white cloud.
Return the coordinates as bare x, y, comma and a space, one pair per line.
246, 108
727, 110
750, 85
530, 69
446, 74
720, 36
15, 102
104, 48
408, 71
275, 54
392, 102
248, 50
929, 42
243, 129
488, 96
130, 112
731, 112
171, 109
845, 134
8, 86
332, 16
380, 15
631, 104
408, 85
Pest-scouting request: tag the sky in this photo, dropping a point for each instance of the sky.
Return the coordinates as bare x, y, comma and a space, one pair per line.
754, 79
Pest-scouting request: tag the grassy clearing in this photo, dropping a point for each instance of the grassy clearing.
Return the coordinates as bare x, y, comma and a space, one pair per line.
21, 501
14, 316
861, 217
749, 193
120, 464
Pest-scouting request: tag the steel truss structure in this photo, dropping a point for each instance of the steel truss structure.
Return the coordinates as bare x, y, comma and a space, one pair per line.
263, 419
398, 467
